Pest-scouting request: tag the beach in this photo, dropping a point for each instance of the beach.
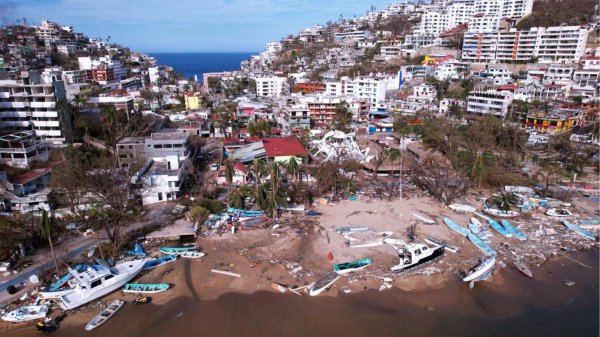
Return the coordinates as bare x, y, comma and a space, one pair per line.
432, 296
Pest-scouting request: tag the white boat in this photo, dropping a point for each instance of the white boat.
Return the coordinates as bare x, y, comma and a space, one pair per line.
462, 208
498, 213
414, 254
324, 283
104, 315
366, 239
26, 313
94, 283
559, 212
481, 270
192, 255
423, 218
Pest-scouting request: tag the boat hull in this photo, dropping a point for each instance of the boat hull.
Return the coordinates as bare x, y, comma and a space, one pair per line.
456, 227
436, 253
482, 269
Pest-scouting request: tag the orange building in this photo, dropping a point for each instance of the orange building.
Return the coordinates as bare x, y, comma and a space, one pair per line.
309, 88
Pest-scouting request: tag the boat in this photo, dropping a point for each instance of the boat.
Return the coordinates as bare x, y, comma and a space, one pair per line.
423, 218
479, 243
414, 254
192, 255
589, 224
145, 288
513, 230
64, 285
522, 267
324, 283
342, 230
151, 264
496, 226
254, 221
349, 267
312, 213
138, 250
462, 208
176, 250
559, 212
456, 227
498, 213
369, 239
142, 300
434, 241
26, 313
94, 283
279, 287
244, 213
580, 230
481, 270
104, 315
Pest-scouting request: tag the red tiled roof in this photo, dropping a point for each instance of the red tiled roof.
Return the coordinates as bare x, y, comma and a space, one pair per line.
508, 87
591, 58
30, 176
237, 166
284, 146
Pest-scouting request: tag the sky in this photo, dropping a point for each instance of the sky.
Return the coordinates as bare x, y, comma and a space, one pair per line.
187, 25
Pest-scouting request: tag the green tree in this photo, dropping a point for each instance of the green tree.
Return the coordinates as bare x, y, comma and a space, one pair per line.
239, 195
199, 214
46, 228
342, 119
393, 155
506, 200
292, 166
275, 196
228, 171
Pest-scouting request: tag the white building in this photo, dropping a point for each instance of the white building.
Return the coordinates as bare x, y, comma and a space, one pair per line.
273, 47
161, 179
585, 83
489, 102
451, 70
271, 86
30, 104
562, 44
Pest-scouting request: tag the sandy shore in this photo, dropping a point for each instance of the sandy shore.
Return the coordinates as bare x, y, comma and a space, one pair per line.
264, 256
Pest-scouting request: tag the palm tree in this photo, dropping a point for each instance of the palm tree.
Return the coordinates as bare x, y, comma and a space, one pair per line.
506, 200
393, 155
292, 166
275, 196
47, 234
239, 196
258, 169
482, 160
228, 171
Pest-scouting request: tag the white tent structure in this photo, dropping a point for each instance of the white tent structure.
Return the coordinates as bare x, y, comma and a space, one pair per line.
337, 144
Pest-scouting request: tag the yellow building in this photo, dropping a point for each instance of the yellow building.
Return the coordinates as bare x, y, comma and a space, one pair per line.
551, 123
192, 101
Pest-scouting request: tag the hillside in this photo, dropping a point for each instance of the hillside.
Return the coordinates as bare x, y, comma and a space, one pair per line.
548, 13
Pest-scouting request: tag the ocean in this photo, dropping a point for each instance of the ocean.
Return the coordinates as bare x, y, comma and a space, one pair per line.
190, 64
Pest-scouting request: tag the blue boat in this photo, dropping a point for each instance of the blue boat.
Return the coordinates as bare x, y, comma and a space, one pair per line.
245, 213
499, 228
484, 247
159, 261
513, 230
138, 250
176, 250
580, 230
456, 227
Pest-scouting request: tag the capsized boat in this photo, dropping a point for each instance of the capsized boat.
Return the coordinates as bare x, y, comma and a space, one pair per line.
26, 313
192, 255
150, 264
559, 212
104, 315
498, 213
522, 267
580, 230
324, 283
176, 250
481, 270
456, 227
423, 218
513, 230
413, 255
349, 267
462, 208
145, 288
479, 243
95, 283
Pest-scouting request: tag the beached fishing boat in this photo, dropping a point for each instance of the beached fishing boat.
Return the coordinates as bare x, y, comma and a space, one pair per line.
349, 267
95, 283
151, 264
145, 288
254, 221
26, 313
559, 212
456, 227
496, 226
176, 250
481, 270
104, 315
513, 230
366, 239
436, 242
592, 224
479, 243
324, 283
580, 230
413, 255
522, 267
462, 208
192, 255
244, 212
498, 213
423, 218
477, 228
64, 285
342, 230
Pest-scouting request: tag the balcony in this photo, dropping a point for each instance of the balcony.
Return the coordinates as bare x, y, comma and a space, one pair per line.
47, 105
4, 94
14, 104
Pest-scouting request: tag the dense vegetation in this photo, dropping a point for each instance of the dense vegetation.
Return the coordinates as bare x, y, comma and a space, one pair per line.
549, 13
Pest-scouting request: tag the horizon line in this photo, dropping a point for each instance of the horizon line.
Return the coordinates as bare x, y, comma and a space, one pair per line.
199, 52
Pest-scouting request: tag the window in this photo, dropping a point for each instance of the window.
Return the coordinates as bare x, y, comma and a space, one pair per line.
108, 277
96, 283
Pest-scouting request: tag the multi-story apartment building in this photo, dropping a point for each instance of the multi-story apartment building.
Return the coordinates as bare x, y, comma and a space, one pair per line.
298, 116
489, 102
30, 104
26, 192
21, 149
547, 45
161, 178
102, 69
322, 109
585, 83
562, 44
271, 86
131, 151
356, 35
